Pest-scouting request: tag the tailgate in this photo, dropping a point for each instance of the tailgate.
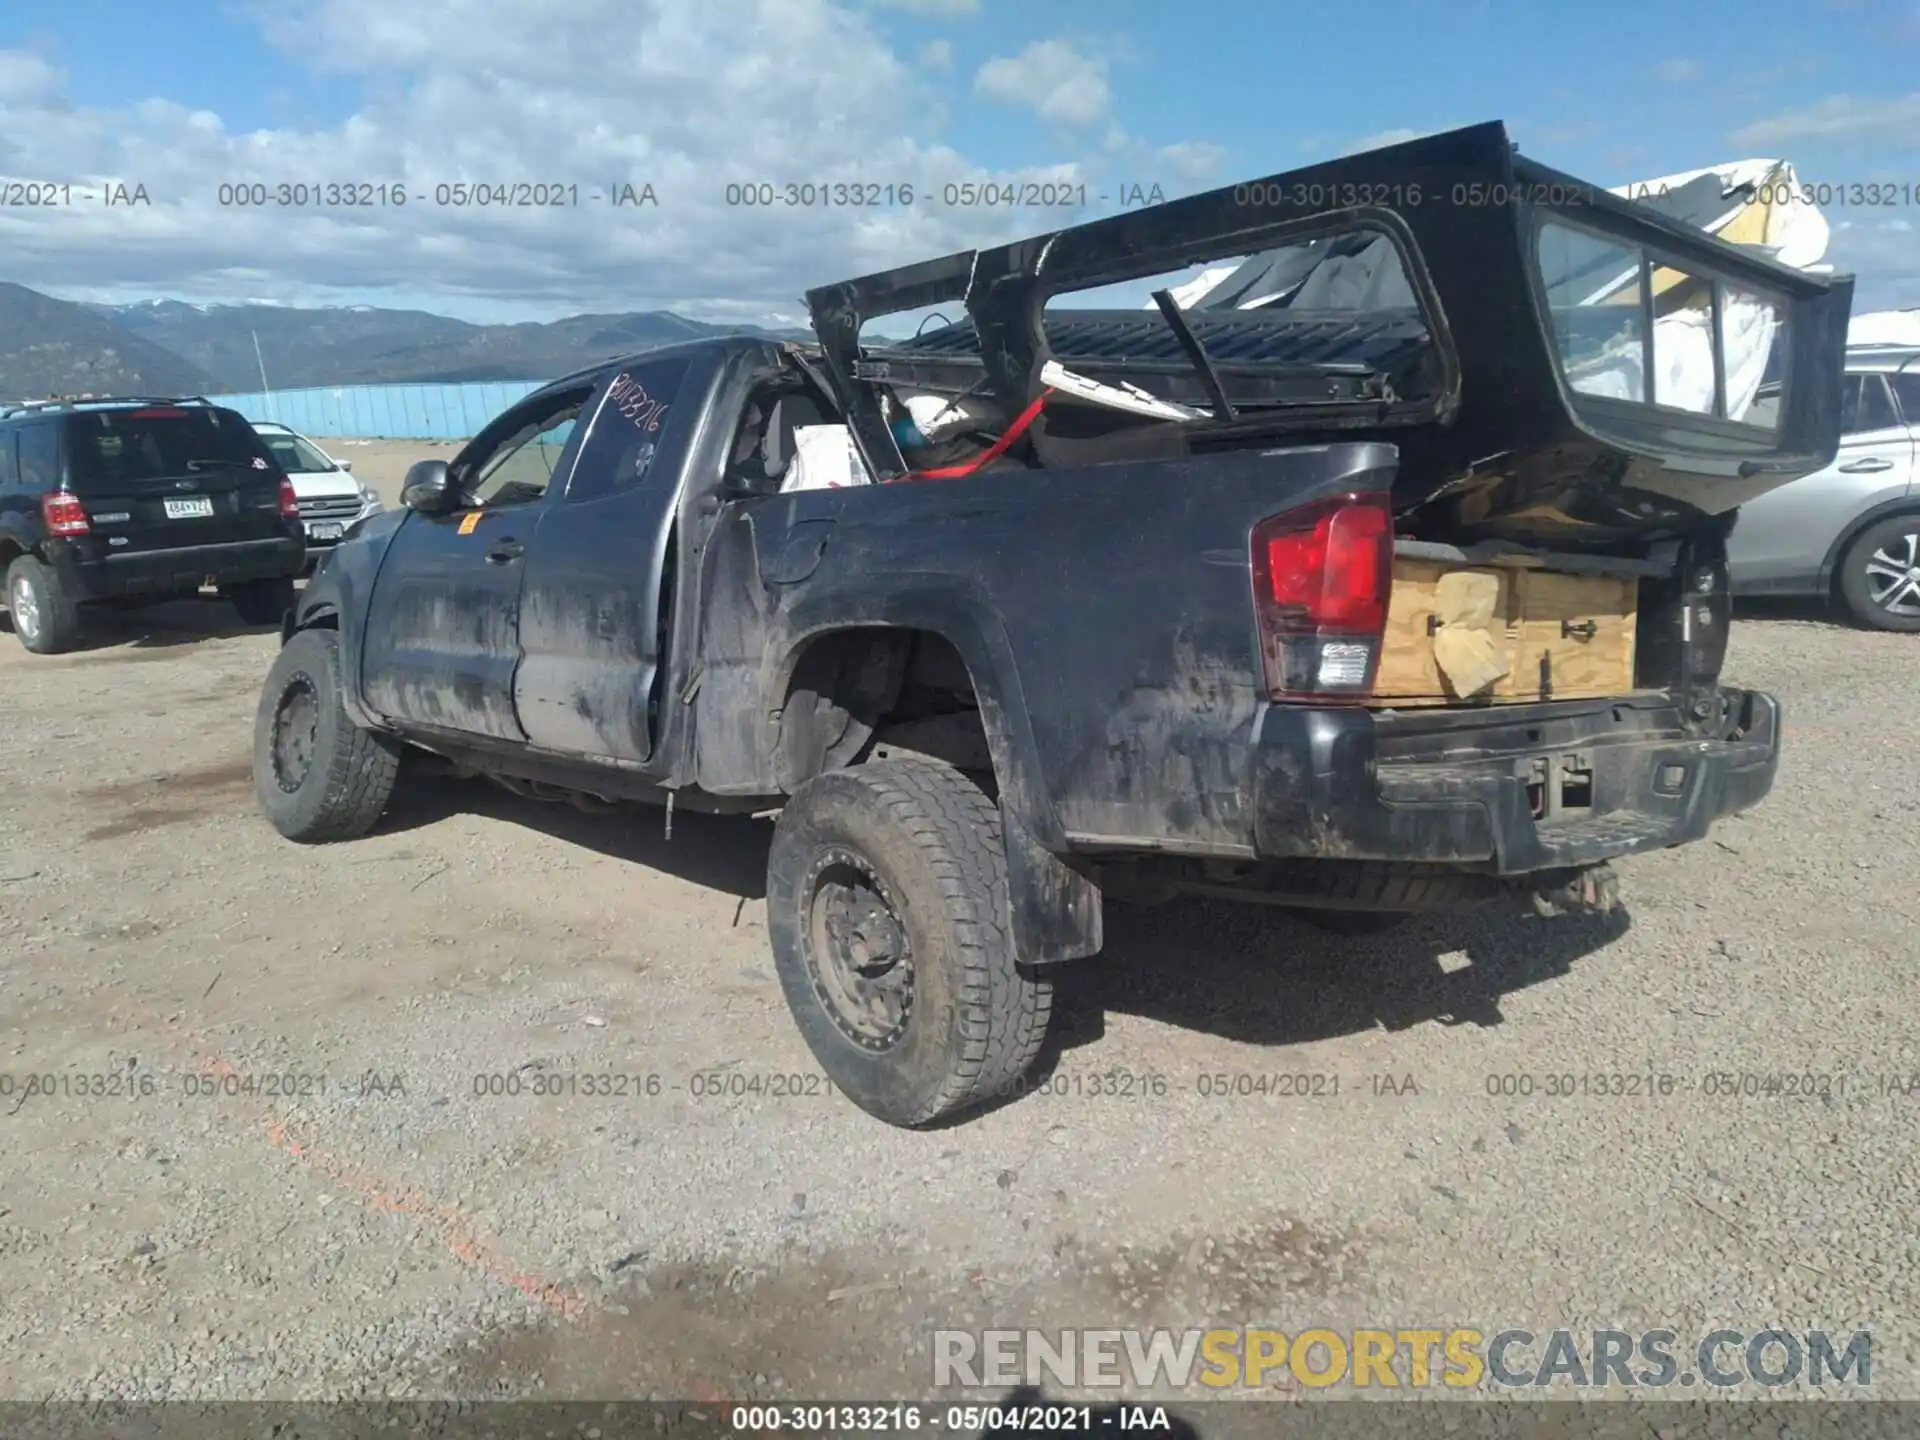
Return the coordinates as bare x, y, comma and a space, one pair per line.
170, 477
173, 512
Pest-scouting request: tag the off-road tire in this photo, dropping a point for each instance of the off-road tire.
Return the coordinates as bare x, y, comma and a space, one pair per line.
1890, 534
931, 839
56, 626
261, 602
345, 786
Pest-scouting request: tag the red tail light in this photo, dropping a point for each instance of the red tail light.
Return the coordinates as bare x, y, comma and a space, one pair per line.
64, 514
1322, 577
289, 502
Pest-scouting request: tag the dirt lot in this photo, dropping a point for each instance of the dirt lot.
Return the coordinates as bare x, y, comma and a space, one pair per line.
391, 1226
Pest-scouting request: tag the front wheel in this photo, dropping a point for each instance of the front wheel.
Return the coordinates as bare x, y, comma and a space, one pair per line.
887, 908
44, 616
262, 602
317, 775
1880, 575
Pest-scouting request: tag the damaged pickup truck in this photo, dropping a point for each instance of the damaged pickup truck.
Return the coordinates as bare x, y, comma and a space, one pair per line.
1378, 569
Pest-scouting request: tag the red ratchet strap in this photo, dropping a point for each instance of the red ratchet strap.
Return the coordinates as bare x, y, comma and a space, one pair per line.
992, 452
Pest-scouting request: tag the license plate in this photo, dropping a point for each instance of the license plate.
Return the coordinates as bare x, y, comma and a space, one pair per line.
326, 530
192, 507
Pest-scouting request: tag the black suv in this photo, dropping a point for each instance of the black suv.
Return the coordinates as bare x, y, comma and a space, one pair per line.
137, 500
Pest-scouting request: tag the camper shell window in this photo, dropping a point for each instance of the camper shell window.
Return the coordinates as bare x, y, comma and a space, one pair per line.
1324, 325
1631, 325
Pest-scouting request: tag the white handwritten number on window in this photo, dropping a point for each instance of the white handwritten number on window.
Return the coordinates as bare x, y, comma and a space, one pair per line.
630, 397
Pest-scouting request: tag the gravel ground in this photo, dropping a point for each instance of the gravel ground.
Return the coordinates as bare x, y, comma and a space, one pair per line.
312, 1194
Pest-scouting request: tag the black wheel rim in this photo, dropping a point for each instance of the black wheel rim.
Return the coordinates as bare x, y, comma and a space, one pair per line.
296, 724
859, 956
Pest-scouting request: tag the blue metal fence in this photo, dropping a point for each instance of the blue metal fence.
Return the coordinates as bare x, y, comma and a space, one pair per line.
385, 412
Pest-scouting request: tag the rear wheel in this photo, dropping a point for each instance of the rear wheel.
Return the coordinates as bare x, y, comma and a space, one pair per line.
261, 602
1880, 574
44, 616
318, 776
887, 908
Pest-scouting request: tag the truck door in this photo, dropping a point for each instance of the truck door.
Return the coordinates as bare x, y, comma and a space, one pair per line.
443, 624
600, 573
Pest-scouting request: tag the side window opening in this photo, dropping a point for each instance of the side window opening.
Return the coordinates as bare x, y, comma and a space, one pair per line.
788, 440
628, 429
1631, 327
1906, 389
1873, 410
1309, 331
40, 456
518, 468
1850, 404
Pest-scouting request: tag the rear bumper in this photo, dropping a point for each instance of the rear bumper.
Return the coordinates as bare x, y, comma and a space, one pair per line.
89, 575
1477, 788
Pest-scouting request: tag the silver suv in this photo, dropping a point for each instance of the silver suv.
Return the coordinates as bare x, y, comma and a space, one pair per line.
1850, 532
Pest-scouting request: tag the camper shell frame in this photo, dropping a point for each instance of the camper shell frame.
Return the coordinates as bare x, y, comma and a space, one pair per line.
1516, 451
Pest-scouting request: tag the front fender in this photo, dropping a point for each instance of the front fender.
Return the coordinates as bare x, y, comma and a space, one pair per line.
338, 595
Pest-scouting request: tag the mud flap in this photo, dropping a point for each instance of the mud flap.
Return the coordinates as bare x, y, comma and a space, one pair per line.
1056, 909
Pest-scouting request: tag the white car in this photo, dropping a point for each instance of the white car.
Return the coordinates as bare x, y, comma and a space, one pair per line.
331, 500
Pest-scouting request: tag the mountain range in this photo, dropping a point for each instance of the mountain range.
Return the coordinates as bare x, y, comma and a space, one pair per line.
170, 347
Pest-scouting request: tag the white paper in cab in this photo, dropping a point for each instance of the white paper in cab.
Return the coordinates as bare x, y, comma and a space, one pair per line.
823, 459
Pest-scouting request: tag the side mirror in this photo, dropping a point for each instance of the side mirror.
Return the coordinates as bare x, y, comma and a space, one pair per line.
344, 464
427, 487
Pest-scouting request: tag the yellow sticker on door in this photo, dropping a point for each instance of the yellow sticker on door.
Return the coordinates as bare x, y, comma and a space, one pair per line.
470, 522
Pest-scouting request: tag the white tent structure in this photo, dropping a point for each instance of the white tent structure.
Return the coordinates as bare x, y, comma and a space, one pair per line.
1885, 327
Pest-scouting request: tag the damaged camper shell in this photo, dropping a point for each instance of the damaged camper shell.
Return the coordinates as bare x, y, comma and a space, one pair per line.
1382, 572
1553, 362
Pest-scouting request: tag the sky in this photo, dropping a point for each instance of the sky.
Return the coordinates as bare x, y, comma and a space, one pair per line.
159, 121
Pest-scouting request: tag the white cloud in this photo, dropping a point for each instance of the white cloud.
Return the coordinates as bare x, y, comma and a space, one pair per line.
936, 55
1383, 139
1676, 72
941, 9
1883, 257
1052, 79
686, 98
1896, 119
1195, 161
26, 78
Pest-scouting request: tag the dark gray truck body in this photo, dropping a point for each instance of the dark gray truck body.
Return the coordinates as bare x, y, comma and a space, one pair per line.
1074, 622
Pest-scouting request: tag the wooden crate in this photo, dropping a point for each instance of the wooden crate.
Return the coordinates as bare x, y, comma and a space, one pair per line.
1539, 628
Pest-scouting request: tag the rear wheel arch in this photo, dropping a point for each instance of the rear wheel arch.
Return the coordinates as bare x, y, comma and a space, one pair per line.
841, 688
1854, 588
1865, 521
846, 690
